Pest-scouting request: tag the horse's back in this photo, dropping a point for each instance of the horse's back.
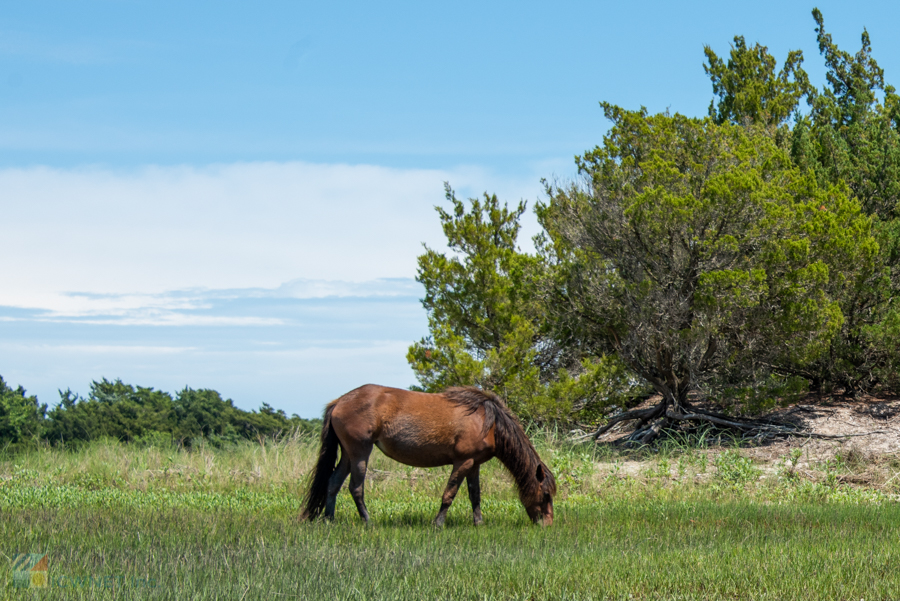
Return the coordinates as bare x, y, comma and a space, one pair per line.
415, 428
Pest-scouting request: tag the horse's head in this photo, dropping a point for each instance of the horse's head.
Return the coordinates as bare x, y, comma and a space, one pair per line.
539, 501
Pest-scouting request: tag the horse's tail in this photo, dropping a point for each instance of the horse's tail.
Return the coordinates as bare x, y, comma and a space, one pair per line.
317, 492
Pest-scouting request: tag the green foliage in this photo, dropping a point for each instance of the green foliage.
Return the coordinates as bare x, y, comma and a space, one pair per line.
767, 393
598, 386
573, 469
113, 409
203, 413
787, 470
735, 469
481, 303
488, 326
271, 422
748, 88
20, 415
850, 138
118, 411
488, 286
848, 142
699, 252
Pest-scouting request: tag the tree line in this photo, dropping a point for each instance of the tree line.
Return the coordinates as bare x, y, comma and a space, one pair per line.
745, 258
137, 414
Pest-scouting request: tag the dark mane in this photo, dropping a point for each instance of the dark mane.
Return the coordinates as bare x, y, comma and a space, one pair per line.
512, 446
475, 398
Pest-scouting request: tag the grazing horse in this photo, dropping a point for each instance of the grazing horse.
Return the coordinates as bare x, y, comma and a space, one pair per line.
462, 427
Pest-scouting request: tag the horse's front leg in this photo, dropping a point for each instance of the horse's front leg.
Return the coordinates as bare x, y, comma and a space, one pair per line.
460, 471
474, 485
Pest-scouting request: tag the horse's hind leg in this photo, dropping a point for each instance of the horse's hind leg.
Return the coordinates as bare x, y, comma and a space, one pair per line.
358, 462
459, 472
334, 484
474, 485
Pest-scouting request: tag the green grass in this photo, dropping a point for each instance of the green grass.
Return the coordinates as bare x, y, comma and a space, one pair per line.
130, 523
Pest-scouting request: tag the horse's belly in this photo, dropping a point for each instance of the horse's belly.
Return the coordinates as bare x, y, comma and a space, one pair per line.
417, 440
414, 454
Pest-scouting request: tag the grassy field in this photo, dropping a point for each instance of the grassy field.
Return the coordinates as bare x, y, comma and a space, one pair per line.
124, 522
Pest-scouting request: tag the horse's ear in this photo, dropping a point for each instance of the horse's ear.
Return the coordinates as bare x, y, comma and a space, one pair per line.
540, 473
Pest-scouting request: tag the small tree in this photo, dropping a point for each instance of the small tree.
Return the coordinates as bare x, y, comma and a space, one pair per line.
488, 323
21, 416
113, 409
203, 414
699, 253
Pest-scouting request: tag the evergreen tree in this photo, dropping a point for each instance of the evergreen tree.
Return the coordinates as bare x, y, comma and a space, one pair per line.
701, 255
21, 416
488, 323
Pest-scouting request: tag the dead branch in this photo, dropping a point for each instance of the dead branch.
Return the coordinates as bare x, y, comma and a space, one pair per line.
627, 416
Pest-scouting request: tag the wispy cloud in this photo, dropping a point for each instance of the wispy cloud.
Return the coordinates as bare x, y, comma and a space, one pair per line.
238, 226
294, 346
302, 288
288, 283
105, 349
197, 306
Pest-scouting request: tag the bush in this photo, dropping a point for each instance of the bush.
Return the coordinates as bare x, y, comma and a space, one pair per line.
20, 415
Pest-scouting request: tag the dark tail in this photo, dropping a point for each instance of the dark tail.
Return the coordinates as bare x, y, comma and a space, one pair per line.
317, 493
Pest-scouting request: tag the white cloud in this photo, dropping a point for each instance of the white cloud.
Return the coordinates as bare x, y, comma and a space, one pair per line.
275, 365
245, 225
63, 305
302, 288
196, 306
116, 350
289, 283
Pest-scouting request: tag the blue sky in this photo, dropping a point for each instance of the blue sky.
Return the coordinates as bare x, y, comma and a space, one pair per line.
233, 195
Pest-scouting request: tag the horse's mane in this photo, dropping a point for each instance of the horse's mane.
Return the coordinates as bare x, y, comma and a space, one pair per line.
511, 445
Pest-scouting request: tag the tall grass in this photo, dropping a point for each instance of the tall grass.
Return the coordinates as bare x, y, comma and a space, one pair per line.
129, 522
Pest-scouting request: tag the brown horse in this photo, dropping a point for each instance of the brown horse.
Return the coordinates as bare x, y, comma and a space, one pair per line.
462, 427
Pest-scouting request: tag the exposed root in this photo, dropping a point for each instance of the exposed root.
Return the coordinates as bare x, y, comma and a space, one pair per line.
653, 421
655, 429
643, 414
